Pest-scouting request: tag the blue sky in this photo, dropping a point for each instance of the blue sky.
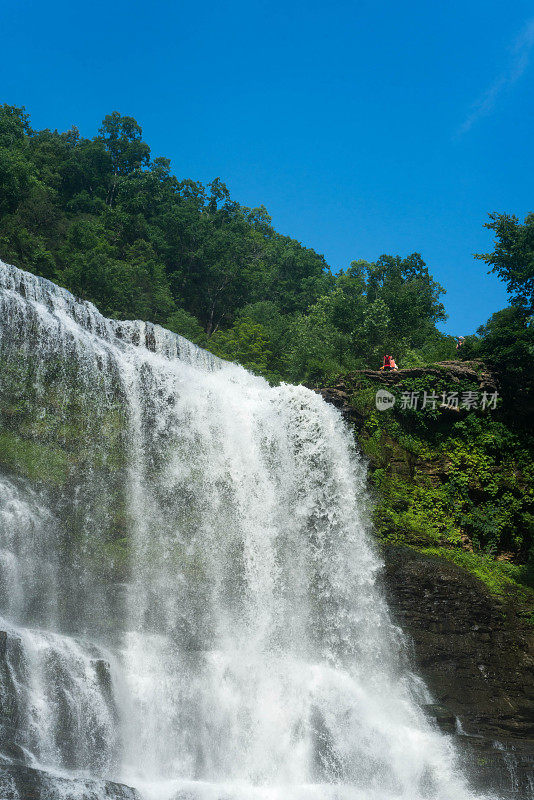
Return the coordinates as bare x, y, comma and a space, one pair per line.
365, 127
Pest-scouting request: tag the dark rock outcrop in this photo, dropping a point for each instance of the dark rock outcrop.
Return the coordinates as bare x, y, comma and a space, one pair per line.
18, 782
10, 666
476, 650
476, 654
503, 768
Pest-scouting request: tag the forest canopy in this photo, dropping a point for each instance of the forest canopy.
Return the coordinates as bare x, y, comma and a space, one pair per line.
103, 218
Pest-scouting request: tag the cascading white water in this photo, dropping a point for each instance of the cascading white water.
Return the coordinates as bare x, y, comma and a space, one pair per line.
186, 575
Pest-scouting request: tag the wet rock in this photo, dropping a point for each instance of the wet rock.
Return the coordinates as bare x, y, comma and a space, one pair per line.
12, 753
476, 655
505, 767
326, 762
25, 783
103, 674
10, 667
475, 651
339, 398
150, 337
445, 720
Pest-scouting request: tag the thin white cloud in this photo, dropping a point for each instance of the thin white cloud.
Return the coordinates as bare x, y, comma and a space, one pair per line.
519, 61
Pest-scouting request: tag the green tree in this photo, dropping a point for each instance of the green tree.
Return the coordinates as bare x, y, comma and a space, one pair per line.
14, 126
410, 294
513, 257
122, 139
506, 343
188, 326
247, 343
16, 178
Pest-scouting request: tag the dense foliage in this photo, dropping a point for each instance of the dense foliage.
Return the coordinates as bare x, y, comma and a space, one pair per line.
455, 480
114, 226
506, 341
513, 257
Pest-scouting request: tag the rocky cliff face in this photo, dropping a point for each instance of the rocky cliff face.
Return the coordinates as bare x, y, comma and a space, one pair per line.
477, 650
476, 654
473, 647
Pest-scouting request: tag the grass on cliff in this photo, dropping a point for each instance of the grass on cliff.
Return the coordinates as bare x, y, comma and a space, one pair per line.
501, 577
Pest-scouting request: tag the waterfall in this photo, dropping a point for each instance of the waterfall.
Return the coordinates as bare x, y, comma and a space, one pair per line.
187, 580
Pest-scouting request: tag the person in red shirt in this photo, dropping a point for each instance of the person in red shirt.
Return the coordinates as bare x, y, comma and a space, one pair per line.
389, 364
